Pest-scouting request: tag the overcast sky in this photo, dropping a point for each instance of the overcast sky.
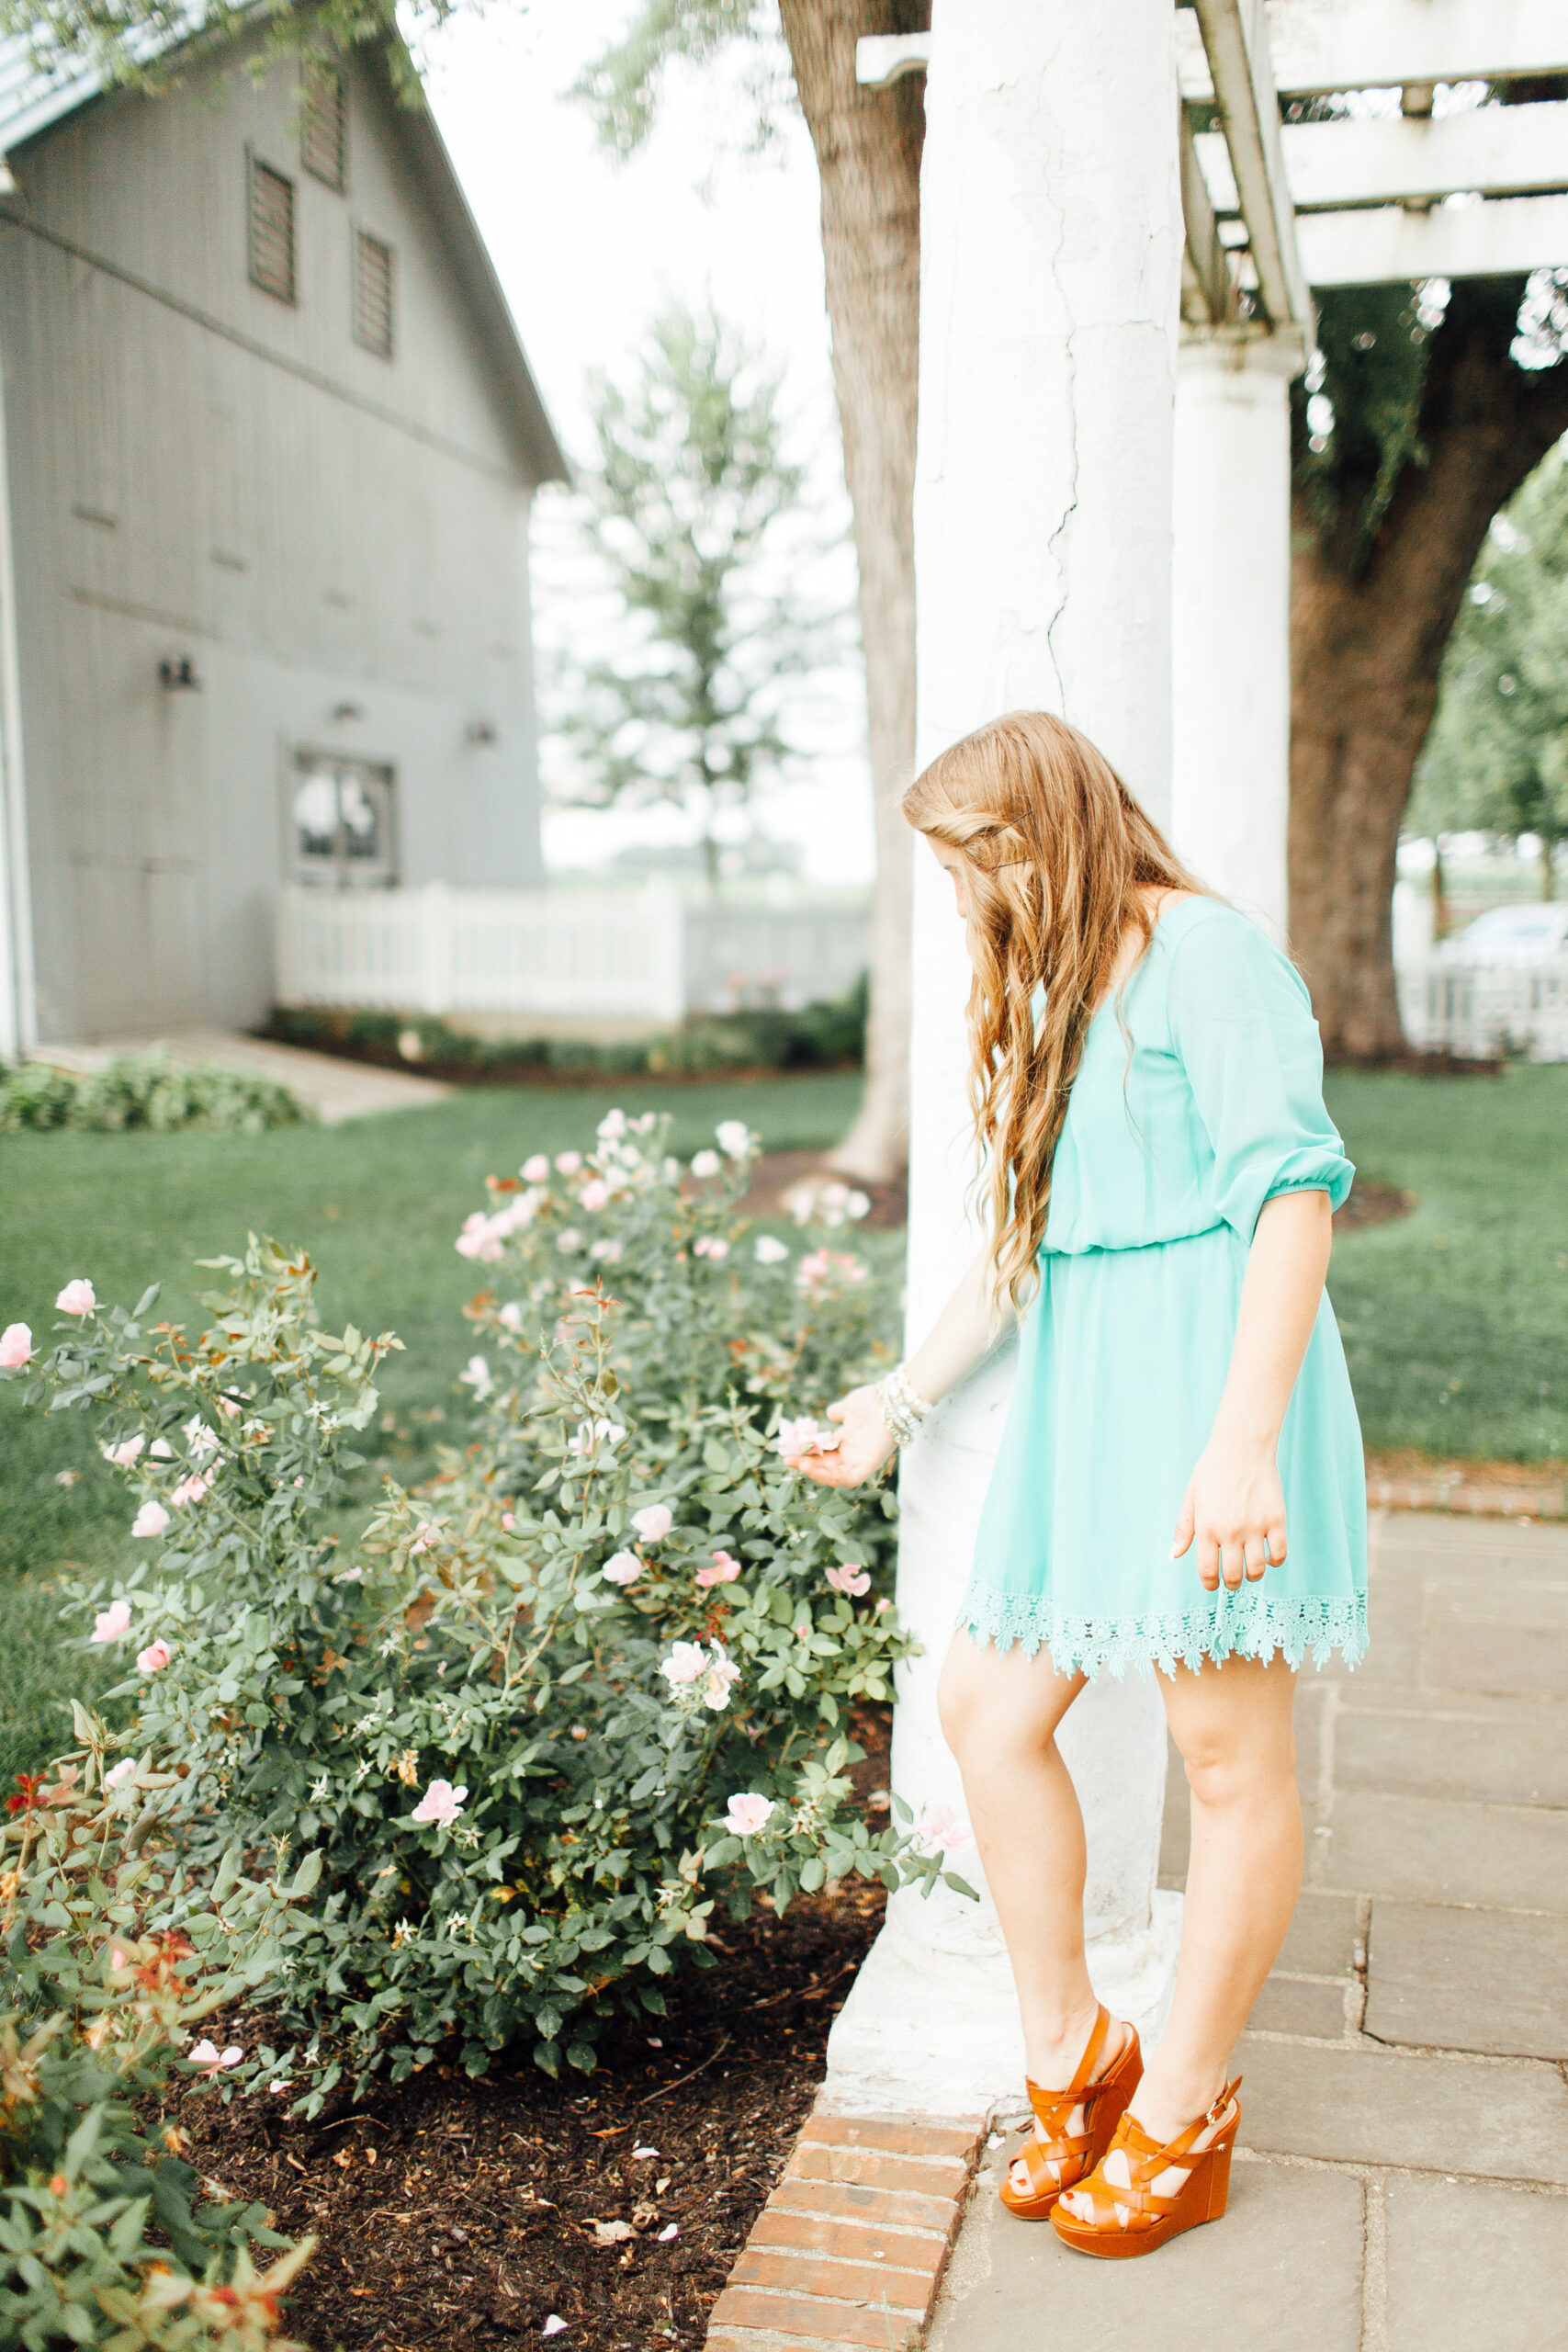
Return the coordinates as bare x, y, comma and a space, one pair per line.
588, 248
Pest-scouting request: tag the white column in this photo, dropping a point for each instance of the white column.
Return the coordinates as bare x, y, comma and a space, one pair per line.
1050, 228
1231, 617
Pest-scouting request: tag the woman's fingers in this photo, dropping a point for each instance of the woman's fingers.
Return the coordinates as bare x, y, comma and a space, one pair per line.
838, 1408
1184, 1536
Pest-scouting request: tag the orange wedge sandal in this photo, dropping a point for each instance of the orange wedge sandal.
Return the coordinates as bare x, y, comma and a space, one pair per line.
1150, 2219
1103, 2103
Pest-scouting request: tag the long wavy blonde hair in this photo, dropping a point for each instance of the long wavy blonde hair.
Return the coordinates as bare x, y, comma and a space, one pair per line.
1058, 860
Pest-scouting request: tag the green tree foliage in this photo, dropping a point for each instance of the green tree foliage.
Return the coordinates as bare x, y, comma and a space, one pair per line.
1356, 426
621, 86
694, 514
1497, 759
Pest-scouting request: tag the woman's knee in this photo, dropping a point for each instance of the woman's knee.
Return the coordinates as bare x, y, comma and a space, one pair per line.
1224, 1771
990, 1711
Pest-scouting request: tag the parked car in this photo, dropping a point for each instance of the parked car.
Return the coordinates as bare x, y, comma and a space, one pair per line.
1522, 934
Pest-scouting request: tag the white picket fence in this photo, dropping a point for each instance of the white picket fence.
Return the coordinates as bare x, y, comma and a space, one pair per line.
1483, 1009
637, 955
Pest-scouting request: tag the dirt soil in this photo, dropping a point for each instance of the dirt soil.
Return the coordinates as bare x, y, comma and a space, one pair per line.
456, 2215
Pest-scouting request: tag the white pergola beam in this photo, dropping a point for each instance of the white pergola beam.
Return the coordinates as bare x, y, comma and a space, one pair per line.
1383, 246
1495, 151
1237, 48
1209, 284
882, 58
1322, 45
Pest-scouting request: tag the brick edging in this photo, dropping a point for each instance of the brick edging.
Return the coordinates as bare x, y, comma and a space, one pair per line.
850, 2247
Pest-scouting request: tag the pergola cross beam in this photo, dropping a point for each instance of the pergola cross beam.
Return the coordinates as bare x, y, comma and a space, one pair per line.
1490, 150
1319, 46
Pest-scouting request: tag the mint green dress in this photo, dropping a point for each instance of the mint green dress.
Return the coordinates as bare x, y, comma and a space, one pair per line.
1199, 1097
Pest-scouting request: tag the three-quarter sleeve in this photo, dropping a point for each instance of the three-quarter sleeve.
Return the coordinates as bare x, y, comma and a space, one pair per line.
1242, 1029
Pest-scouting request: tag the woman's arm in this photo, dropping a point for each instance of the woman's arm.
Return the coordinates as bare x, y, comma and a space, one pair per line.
1234, 1506
967, 1327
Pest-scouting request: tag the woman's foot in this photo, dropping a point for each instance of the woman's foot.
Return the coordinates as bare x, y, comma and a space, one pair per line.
1174, 2180
1076, 2109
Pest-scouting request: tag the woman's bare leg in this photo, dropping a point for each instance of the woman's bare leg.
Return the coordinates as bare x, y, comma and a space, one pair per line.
1233, 1725
999, 1713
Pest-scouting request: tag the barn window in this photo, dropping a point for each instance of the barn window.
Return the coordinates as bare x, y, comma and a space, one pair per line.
341, 815
272, 230
324, 122
373, 294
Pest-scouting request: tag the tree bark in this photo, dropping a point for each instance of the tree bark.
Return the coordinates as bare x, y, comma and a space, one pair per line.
868, 147
1367, 646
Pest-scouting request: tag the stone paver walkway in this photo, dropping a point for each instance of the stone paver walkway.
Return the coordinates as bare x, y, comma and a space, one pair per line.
332, 1087
1402, 2182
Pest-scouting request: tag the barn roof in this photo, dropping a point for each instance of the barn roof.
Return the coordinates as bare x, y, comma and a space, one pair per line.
35, 95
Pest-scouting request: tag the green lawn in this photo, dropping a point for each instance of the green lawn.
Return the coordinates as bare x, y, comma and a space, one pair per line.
1454, 1316
377, 1204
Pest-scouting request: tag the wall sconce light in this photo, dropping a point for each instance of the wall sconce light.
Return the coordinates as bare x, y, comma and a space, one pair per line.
480, 730
179, 677
346, 712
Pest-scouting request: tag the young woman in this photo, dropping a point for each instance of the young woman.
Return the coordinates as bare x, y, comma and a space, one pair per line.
1179, 1486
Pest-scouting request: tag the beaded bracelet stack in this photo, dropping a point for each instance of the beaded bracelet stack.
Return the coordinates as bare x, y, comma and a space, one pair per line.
903, 1407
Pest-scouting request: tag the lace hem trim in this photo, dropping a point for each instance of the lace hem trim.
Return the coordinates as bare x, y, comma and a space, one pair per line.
1243, 1625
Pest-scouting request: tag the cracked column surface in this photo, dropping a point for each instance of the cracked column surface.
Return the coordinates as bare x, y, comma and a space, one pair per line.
1050, 233
1232, 615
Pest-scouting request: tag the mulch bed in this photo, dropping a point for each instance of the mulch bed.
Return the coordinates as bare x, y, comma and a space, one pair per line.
455, 2216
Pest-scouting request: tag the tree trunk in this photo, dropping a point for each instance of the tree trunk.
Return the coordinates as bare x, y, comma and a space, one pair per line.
1367, 646
868, 152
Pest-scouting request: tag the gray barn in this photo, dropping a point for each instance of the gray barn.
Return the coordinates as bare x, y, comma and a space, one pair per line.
269, 444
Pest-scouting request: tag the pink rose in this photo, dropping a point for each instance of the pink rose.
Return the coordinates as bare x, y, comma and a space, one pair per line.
508, 1520
123, 1455
111, 1624
112, 1780
797, 1436
722, 1671
511, 1316
208, 2060
653, 1523
709, 1245
154, 1657
191, 1489
705, 1164
535, 1171
568, 1162
724, 1570
943, 1826
150, 1519
624, 1568
595, 1195
685, 1662
15, 1346
440, 1804
76, 1298
851, 1579
746, 1814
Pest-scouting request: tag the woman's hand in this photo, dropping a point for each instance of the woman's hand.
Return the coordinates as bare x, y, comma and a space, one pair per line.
1234, 1512
863, 1447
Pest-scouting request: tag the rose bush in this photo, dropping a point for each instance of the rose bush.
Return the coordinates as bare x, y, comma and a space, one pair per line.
535, 1721
112, 1956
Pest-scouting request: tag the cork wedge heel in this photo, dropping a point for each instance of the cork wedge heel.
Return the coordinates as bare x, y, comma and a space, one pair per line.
1150, 2219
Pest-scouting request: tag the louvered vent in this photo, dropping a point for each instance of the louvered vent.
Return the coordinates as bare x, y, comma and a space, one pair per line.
373, 294
324, 122
272, 231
